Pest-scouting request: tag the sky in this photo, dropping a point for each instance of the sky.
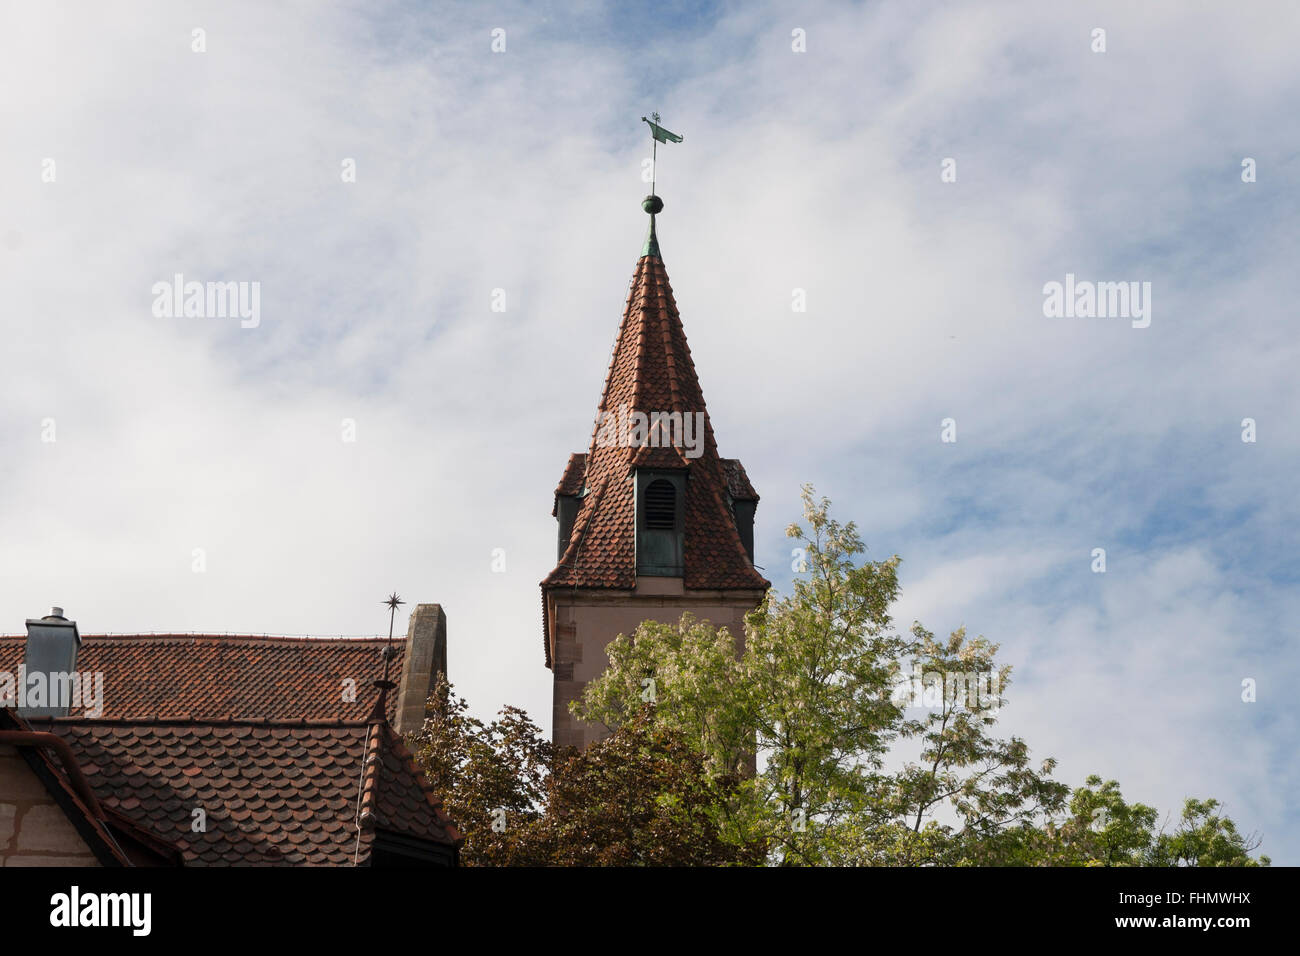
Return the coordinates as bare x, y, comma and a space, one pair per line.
386, 177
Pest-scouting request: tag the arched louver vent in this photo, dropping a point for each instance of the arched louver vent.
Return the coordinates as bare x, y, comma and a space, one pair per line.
660, 506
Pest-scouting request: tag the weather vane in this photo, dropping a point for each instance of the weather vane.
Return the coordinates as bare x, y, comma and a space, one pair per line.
658, 135
393, 602
652, 203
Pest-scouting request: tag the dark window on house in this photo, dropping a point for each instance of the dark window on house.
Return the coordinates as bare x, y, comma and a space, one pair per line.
660, 506
399, 850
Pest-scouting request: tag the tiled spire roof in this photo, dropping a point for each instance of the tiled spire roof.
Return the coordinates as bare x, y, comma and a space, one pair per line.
651, 371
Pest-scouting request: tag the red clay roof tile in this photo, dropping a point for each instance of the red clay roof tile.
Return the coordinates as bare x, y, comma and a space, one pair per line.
299, 810
217, 677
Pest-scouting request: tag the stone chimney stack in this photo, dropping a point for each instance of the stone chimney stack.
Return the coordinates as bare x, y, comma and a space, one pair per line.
52, 644
425, 659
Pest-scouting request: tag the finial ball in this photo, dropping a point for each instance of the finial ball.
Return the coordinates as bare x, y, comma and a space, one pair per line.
652, 204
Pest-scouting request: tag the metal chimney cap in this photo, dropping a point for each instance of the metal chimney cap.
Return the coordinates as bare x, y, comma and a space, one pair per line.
54, 619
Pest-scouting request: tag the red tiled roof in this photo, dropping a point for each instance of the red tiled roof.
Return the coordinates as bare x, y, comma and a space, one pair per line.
115, 840
215, 677
396, 794
273, 791
90, 823
651, 371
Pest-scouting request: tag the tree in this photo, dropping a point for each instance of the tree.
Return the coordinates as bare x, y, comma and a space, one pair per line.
640, 797
984, 785
491, 777
1095, 828
1101, 829
808, 687
815, 688
1204, 838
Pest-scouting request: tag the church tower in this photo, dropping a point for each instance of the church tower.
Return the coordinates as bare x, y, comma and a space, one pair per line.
652, 522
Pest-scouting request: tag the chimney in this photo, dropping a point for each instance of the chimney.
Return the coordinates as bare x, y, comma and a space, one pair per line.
52, 643
426, 657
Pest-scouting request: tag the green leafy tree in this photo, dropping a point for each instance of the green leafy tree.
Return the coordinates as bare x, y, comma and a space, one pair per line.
968, 788
491, 776
1096, 828
812, 686
640, 797
1204, 837
807, 685
1102, 829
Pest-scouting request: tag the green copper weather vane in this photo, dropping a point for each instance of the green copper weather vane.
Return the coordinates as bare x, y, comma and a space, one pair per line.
652, 203
657, 135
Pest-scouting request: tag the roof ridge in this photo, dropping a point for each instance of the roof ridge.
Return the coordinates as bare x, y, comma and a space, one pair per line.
371, 758
666, 330
642, 352
389, 737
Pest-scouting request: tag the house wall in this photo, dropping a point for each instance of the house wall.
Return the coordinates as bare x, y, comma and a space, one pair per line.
584, 622
34, 831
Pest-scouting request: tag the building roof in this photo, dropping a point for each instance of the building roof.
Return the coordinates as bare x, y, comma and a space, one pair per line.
271, 792
113, 838
652, 371
207, 676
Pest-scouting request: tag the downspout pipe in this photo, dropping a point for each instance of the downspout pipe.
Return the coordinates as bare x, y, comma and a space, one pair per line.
37, 738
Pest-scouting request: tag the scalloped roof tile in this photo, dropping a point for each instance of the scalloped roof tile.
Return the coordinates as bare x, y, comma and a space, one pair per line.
213, 676
253, 816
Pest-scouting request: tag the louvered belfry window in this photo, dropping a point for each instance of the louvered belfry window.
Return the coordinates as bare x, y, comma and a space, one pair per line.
659, 523
660, 506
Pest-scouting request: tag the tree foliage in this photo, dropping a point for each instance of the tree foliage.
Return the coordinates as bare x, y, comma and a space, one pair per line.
487, 774
843, 765
641, 797
1204, 837
804, 740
